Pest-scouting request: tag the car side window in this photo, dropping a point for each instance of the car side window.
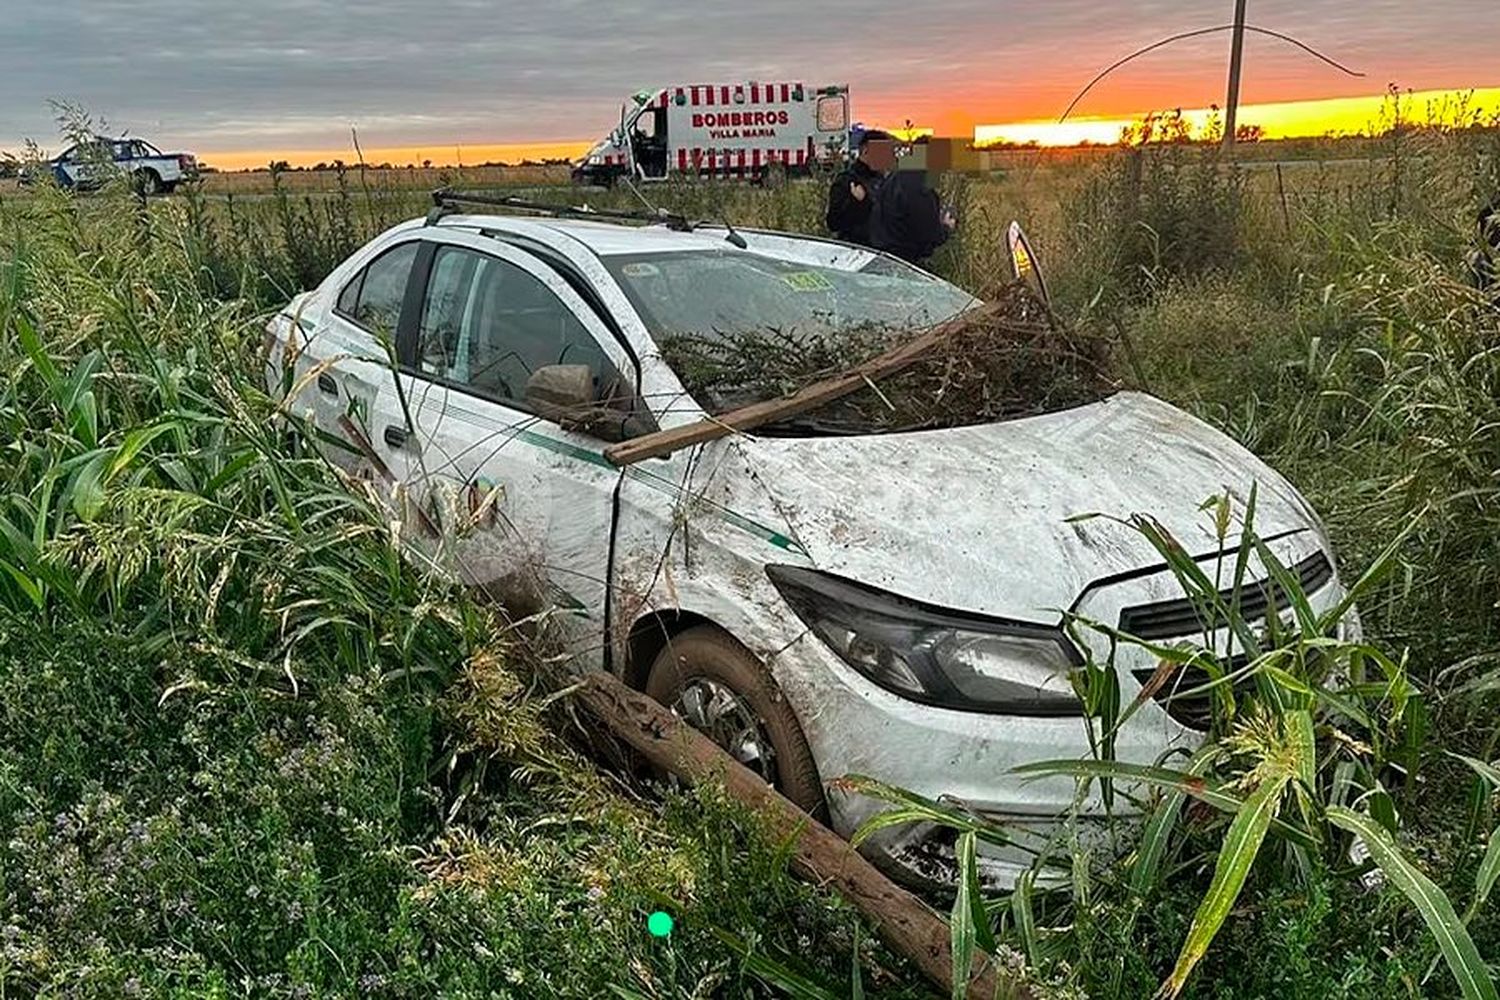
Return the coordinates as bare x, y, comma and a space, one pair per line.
373, 297
490, 325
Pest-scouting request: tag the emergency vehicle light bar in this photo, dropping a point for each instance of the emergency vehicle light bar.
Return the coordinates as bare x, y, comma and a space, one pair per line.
446, 200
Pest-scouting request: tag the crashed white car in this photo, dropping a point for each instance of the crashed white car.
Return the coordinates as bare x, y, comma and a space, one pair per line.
820, 604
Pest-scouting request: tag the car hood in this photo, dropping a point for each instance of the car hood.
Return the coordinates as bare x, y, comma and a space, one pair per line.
983, 519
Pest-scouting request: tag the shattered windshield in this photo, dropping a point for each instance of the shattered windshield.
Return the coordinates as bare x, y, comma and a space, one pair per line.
729, 294
741, 328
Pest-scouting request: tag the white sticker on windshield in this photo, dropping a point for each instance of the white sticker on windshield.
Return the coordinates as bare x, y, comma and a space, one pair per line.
640, 269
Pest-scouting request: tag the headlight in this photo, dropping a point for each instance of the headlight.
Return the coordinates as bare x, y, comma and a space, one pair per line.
595, 160
935, 657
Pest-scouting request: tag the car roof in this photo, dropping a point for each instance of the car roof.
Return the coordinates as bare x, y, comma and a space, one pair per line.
612, 239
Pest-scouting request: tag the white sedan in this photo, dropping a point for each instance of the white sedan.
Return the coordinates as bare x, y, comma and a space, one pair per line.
821, 604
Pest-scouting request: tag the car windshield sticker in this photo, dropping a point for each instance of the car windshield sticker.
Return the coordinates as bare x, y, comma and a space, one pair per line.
640, 269
807, 281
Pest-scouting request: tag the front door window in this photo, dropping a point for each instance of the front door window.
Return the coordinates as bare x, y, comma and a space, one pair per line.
490, 326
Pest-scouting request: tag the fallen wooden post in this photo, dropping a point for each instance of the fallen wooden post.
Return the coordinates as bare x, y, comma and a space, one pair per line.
909, 926
759, 414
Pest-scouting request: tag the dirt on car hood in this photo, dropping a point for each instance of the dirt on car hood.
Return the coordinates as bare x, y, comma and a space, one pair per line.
977, 518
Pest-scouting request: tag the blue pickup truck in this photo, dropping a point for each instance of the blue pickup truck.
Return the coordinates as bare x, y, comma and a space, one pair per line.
89, 164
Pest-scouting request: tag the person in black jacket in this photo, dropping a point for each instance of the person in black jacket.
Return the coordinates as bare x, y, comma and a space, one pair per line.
1486, 253
853, 191
908, 219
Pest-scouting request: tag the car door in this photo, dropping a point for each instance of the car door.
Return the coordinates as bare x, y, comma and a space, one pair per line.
80, 166
344, 368
523, 506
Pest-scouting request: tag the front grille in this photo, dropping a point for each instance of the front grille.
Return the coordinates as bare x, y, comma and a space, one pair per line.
1196, 710
1177, 619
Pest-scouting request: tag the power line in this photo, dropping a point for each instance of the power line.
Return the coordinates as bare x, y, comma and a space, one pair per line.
1181, 36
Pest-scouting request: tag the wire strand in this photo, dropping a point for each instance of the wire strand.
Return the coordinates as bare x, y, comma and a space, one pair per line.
1181, 36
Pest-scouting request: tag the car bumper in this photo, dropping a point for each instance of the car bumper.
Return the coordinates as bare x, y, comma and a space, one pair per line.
963, 760
966, 761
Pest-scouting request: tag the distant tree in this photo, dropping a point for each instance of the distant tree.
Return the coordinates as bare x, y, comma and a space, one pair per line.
426, 164
1249, 133
1158, 128
279, 167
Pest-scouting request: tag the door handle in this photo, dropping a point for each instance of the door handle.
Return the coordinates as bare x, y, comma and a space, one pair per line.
395, 436
327, 384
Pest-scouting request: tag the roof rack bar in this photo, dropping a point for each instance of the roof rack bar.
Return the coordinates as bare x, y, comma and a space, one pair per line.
445, 200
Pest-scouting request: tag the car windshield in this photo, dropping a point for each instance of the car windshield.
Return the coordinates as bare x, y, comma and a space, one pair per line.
731, 294
739, 327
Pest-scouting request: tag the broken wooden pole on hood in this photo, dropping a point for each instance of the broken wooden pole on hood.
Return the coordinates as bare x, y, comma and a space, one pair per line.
906, 924
809, 397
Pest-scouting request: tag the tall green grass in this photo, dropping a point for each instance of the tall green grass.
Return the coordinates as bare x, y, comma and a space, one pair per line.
247, 748
1323, 319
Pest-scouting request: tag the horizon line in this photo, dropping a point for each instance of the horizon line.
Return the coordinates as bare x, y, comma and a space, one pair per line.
1280, 120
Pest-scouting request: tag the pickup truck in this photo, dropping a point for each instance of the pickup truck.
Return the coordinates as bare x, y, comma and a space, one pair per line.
87, 165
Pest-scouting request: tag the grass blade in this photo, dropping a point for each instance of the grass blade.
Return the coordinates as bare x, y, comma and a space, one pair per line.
1025, 918
1236, 855
1198, 788
913, 809
1383, 564
1159, 828
1452, 937
1489, 772
771, 972
1489, 874
856, 980
962, 927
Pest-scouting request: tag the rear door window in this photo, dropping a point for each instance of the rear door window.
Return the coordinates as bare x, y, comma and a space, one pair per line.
373, 297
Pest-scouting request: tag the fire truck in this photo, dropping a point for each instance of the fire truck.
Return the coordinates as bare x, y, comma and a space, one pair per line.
757, 131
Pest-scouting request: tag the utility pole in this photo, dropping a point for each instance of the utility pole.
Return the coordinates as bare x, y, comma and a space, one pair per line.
1236, 63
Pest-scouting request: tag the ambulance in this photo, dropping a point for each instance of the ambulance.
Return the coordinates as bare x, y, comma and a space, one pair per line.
756, 131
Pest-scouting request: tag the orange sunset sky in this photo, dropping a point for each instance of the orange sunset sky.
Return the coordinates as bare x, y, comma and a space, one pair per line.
1279, 120
478, 80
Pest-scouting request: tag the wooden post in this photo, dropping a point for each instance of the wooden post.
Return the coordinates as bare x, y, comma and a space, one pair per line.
908, 925
1236, 64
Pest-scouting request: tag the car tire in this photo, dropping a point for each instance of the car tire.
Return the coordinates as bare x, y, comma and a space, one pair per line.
147, 182
706, 659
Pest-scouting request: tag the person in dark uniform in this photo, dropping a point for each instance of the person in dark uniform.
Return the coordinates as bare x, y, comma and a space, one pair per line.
853, 192
1483, 259
908, 219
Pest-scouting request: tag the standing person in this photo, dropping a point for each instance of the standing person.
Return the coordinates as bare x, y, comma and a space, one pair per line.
908, 219
1482, 259
853, 192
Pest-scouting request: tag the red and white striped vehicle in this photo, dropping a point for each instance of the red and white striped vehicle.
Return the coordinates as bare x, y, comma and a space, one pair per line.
757, 130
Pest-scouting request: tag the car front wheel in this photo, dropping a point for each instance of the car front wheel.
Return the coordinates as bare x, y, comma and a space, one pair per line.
716, 686
147, 182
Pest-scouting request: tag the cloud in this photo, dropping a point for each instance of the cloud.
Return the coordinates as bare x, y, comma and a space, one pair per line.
289, 73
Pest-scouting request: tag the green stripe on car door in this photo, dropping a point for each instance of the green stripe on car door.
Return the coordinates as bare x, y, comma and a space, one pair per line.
658, 483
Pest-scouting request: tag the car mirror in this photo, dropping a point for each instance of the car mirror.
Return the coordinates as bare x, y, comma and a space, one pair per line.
565, 394
561, 387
